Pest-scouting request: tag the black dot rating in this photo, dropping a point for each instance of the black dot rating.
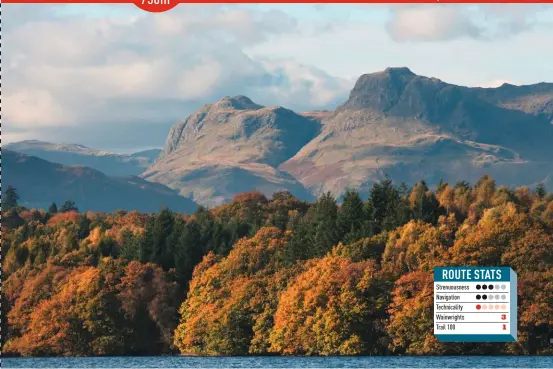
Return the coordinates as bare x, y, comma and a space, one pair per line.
475, 304
497, 287
496, 297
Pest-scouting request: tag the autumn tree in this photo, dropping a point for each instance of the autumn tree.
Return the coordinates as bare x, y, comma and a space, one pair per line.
281, 206
415, 246
485, 242
149, 300
535, 312
111, 309
231, 300
411, 322
333, 308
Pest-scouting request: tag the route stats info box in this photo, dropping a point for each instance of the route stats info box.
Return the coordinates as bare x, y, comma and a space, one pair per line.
475, 304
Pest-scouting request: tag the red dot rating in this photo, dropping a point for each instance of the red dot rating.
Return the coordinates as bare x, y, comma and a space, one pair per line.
491, 307
475, 304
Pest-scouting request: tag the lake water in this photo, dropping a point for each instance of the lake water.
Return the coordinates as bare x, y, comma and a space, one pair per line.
283, 362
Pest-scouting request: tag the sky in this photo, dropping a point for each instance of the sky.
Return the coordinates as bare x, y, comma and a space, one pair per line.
115, 77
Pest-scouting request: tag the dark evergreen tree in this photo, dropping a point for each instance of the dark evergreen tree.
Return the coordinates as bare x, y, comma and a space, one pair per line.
147, 242
188, 252
219, 242
53, 209
424, 204
253, 214
351, 217
130, 246
37, 216
298, 245
9, 198
324, 233
235, 230
68, 205
163, 226
382, 207
541, 190
463, 186
108, 247
213, 234
11, 219
172, 240
84, 226
402, 209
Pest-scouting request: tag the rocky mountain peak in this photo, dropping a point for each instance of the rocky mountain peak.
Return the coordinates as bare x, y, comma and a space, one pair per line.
236, 128
379, 91
398, 71
239, 102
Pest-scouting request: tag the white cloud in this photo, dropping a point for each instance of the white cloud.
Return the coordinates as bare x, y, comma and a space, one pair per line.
315, 87
441, 22
199, 81
431, 23
31, 108
64, 71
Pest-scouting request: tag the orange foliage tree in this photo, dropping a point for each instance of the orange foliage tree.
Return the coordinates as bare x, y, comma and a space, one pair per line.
335, 307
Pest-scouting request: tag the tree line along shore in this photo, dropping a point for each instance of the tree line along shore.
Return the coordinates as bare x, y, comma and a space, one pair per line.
270, 276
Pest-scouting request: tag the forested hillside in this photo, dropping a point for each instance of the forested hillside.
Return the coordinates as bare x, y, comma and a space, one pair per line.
270, 276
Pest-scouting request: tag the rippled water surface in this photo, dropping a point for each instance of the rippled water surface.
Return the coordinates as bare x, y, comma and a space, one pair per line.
282, 362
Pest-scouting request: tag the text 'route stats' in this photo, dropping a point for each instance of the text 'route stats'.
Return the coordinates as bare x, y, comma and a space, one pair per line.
475, 304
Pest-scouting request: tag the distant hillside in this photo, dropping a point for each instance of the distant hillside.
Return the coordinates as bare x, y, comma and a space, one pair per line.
533, 99
71, 154
40, 182
231, 146
151, 154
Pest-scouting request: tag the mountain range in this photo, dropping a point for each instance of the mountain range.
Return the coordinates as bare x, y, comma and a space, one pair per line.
413, 127
394, 123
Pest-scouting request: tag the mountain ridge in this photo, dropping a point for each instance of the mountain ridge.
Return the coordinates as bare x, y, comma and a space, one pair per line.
108, 162
40, 182
397, 122
394, 122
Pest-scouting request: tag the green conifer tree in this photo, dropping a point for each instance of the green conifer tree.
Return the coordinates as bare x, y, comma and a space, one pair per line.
53, 209
9, 198
351, 217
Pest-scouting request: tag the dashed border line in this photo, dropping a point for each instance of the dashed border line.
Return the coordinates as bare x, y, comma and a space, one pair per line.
1, 341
